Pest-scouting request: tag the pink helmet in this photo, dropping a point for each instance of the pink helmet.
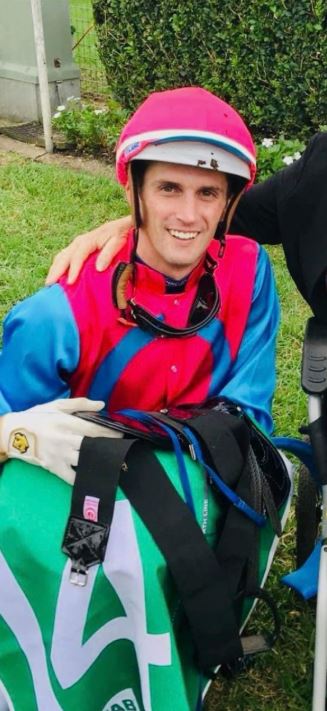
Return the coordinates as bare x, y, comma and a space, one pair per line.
188, 126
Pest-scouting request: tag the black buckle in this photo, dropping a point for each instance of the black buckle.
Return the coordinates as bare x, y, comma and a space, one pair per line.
85, 543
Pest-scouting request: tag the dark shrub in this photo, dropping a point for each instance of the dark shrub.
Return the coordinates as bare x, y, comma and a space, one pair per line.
268, 58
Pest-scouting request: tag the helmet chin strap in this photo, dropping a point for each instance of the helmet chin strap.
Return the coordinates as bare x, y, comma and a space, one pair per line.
134, 199
223, 225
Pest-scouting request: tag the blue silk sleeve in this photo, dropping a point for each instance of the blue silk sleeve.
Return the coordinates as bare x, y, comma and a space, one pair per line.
252, 379
40, 350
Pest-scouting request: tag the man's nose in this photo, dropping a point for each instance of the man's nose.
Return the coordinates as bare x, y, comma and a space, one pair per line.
187, 209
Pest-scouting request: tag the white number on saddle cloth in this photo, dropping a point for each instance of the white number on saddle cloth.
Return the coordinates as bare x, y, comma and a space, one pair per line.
124, 701
70, 657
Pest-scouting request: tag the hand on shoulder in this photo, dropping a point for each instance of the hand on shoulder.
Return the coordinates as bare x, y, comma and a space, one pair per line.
108, 238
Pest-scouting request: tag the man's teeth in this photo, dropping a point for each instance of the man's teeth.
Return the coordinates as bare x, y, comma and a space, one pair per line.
183, 235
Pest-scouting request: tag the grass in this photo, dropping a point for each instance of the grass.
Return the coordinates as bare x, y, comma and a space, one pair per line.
41, 209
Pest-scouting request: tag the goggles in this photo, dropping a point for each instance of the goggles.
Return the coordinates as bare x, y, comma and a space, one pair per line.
204, 308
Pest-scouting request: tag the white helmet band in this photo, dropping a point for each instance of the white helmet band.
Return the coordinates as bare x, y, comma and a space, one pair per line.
199, 154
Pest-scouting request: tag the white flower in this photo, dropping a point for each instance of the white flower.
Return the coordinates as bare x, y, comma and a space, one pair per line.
267, 142
297, 155
288, 160
56, 115
99, 111
61, 108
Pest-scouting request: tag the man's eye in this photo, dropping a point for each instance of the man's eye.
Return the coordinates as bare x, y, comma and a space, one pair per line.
209, 192
168, 187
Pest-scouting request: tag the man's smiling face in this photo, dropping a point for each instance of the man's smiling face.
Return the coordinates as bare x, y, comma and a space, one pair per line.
180, 208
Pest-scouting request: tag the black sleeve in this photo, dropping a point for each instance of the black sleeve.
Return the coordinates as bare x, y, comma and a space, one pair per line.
291, 208
256, 214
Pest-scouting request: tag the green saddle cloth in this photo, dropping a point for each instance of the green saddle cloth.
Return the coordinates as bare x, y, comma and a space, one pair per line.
118, 644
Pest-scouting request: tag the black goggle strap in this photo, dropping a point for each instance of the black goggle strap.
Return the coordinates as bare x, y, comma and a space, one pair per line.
150, 323
201, 313
207, 302
92, 504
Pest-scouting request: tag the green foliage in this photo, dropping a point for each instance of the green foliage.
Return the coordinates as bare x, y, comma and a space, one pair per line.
268, 58
274, 154
90, 128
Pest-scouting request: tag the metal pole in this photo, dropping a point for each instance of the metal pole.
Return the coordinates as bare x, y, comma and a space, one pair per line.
43, 73
320, 660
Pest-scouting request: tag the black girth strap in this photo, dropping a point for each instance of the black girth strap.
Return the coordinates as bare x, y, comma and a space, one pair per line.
92, 505
200, 582
225, 441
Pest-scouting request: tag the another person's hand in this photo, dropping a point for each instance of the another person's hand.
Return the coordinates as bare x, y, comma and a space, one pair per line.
49, 435
109, 238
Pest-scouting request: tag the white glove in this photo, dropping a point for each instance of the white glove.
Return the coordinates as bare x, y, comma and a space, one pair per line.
50, 436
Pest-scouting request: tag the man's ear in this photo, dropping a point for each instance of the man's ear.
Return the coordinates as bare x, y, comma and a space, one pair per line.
225, 210
226, 218
128, 193
132, 199
231, 207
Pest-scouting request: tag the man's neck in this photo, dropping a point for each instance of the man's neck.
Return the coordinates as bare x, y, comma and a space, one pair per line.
173, 286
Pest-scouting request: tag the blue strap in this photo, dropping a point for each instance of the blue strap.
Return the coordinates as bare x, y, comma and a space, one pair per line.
239, 503
304, 580
183, 475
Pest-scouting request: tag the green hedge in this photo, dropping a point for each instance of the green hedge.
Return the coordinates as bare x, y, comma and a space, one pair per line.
267, 57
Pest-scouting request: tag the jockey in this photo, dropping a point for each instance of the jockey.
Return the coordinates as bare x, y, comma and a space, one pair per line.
184, 313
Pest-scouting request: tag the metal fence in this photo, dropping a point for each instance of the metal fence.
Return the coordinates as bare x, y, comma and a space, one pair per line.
93, 80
